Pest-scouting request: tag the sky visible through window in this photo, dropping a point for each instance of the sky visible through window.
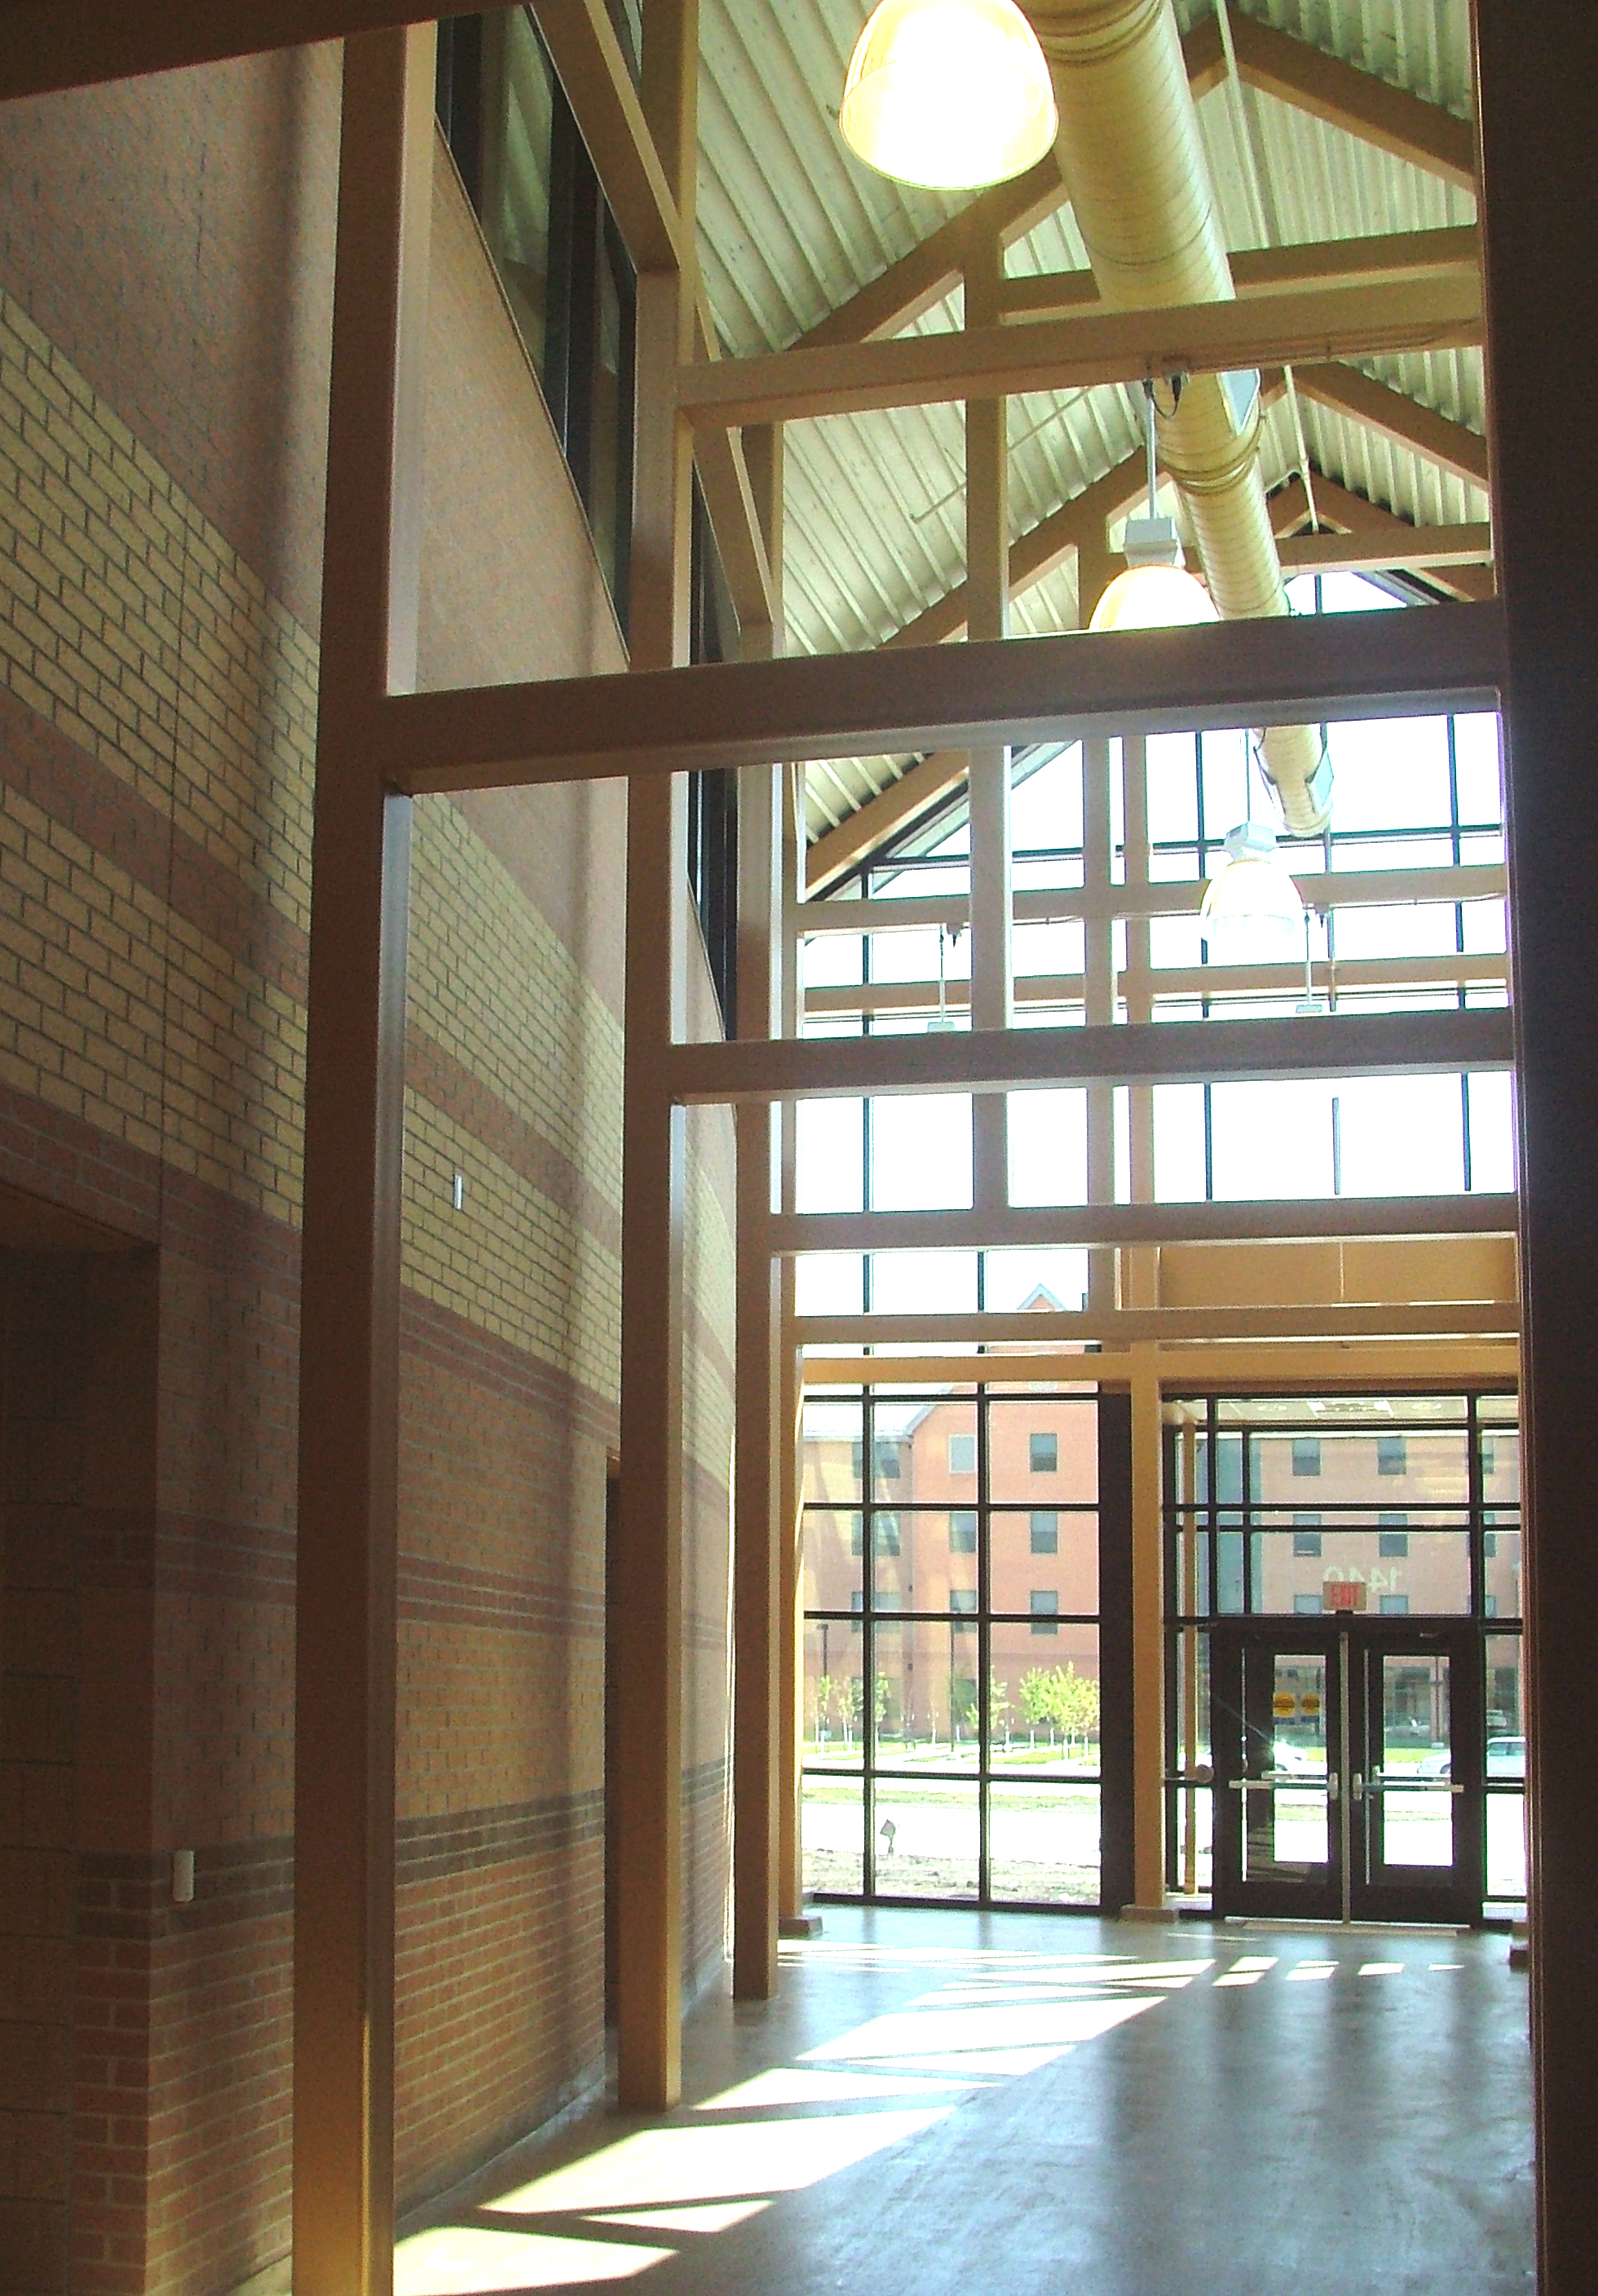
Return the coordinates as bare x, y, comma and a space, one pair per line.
1409, 794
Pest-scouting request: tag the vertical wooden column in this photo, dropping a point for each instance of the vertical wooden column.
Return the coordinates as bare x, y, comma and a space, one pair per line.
988, 616
1139, 1288
757, 1525
1148, 1636
648, 1543
1140, 1267
355, 1127
790, 1397
1536, 78
1099, 964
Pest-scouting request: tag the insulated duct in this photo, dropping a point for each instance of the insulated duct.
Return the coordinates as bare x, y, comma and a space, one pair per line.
1134, 165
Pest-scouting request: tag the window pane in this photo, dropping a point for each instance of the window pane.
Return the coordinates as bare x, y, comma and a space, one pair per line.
920, 1151
1354, 1570
1048, 1149
831, 1169
931, 1556
833, 1831
833, 1694
834, 1546
833, 1454
1500, 1566
926, 1839
1045, 1699
1015, 1468
1018, 1565
1043, 1843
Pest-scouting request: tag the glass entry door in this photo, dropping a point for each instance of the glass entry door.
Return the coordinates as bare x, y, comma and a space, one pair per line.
1346, 1786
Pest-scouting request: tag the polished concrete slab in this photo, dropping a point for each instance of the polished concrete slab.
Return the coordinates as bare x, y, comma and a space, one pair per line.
949, 2102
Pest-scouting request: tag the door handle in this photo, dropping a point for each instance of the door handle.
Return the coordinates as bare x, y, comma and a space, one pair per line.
1356, 1787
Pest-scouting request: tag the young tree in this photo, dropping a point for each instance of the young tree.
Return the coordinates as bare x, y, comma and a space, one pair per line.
1038, 1693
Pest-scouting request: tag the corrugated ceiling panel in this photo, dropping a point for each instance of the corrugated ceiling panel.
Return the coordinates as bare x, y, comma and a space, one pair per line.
792, 224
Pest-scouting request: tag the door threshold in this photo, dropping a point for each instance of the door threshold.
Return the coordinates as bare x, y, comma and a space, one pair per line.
1348, 1929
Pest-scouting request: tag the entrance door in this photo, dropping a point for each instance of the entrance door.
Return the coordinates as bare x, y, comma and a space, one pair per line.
1348, 1782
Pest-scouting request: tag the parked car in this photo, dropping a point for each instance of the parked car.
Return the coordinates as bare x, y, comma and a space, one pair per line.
1506, 1758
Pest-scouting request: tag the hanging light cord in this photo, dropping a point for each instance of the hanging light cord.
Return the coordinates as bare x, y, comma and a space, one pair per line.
1234, 96
1148, 424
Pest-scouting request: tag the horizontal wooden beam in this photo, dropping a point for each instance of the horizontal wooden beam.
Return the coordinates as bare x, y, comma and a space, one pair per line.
1345, 391
1453, 252
1367, 526
1044, 1228
1307, 324
1137, 1053
1123, 1326
1349, 975
1287, 670
1320, 889
50, 44
1400, 549
1237, 1367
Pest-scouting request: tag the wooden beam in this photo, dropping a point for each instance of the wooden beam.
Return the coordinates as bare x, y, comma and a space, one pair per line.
913, 284
1451, 253
349, 1422
1133, 1053
648, 1641
832, 856
1535, 71
1345, 391
1308, 325
1234, 1367
1327, 88
1409, 550
1367, 526
1467, 970
1286, 670
1130, 1326
46, 45
1322, 889
1128, 1226
599, 87
728, 490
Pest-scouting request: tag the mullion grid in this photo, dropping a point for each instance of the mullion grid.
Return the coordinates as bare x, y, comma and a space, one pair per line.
982, 1779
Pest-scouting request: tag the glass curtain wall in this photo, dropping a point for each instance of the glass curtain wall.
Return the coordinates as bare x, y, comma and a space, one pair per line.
1396, 1506
952, 1646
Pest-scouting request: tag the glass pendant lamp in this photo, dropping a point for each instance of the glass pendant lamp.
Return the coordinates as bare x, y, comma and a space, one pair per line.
1156, 592
1253, 913
951, 94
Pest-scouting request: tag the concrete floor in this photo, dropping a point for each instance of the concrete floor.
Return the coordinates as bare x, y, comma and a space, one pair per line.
942, 2104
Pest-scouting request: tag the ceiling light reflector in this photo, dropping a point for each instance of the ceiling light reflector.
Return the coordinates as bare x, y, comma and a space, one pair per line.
951, 94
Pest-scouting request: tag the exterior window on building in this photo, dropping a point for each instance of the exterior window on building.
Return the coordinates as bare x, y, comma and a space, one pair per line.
1487, 1454
962, 1455
1043, 1454
1489, 1544
1308, 1542
559, 256
885, 1534
1044, 1602
713, 794
963, 1539
856, 1535
1389, 1540
1392, 1455
856, 1604
1395, 1606
962, 1598
1046, 1531
1304, 1603
1306, 1455
886, 1464
1489, 1604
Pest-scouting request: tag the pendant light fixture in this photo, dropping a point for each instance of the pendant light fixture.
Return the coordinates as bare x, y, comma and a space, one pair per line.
951, 94
1253, 913
1156, 592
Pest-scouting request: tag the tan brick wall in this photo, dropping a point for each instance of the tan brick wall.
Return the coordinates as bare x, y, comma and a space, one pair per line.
157, 733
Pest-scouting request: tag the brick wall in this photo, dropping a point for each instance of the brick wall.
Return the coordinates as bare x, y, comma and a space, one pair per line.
164, 310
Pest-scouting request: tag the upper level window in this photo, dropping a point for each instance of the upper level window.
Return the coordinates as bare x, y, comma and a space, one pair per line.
1306, 1455
1043, 1454
1046, 1531
962, 1455
559, 256
963, 1532
1392, 1455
